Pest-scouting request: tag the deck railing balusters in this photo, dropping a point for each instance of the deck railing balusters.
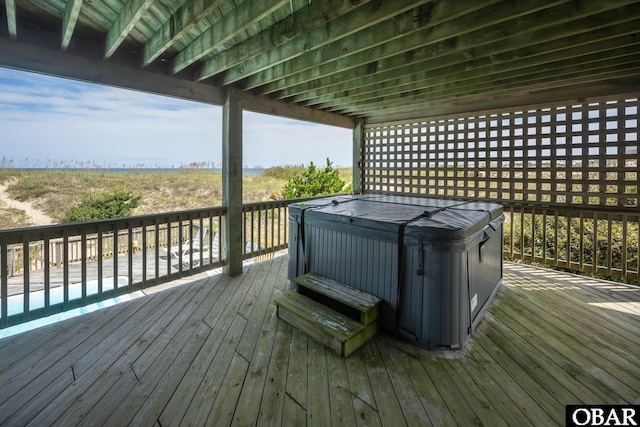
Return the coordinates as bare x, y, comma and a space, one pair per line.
47, 273
130, 253
49, 248
210, 237
116, 252
581, 239
609, 249
65, 269
83, 248
624, 245
4, 283
144, 252
588, 240
156, 233
26, 260
259, 243
100, 260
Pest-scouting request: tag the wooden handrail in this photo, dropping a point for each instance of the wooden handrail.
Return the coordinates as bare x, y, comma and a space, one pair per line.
87, 258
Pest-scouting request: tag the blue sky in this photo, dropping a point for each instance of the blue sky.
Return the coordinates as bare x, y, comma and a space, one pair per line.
47, 121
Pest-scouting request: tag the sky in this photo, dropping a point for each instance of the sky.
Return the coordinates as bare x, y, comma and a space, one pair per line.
47, 121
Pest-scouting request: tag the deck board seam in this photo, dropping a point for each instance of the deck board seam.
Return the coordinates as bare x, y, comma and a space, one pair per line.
587, 336
558, 343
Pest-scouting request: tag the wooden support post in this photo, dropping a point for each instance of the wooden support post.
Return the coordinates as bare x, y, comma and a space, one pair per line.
358, 144
232, 243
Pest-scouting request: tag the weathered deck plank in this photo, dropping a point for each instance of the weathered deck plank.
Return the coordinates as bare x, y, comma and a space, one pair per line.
67, 350
213, 351
273, 400
297, 378
342, 412
203, 381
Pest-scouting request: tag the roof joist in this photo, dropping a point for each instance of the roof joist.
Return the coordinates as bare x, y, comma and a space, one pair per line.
228, 27
403, 25
71, 13
10, 7
502, 93
521, 69
542, 50
131, 13
309, 18
371, 59
188, 16
538, 82
455, 34
415, 13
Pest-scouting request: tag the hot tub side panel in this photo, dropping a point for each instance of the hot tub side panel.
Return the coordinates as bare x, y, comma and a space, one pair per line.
365, 262
434, 305
442, 305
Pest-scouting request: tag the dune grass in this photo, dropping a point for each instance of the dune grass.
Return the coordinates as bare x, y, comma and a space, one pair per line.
54, 190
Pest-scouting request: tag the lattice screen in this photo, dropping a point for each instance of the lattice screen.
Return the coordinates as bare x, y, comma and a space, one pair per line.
583, 154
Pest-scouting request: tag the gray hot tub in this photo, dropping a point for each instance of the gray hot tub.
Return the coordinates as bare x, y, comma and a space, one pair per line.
436, 263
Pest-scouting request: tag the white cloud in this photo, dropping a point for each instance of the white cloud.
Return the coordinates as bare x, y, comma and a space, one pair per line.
61, 120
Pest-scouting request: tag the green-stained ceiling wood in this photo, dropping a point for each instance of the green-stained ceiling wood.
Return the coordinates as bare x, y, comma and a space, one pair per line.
69, 24
231, 25
192, 13
335, 61
10, 8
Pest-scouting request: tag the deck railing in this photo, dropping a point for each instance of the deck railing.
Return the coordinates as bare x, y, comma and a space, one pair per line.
265, 228
590, 240
49, 269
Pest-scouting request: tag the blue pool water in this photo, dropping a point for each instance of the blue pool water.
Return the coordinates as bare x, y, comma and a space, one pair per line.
36, 300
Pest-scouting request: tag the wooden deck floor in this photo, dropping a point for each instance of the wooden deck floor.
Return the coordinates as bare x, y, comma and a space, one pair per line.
213, 352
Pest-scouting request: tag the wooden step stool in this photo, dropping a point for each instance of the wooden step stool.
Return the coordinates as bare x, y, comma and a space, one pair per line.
340, 317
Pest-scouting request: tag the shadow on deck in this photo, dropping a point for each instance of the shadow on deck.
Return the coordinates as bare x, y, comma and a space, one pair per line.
214, 352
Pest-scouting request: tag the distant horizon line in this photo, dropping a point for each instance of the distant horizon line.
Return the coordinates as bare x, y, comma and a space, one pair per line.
36, 164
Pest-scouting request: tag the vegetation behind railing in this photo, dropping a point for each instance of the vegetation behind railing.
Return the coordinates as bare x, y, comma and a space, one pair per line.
49, 269
71, 265
15, 256
600, 241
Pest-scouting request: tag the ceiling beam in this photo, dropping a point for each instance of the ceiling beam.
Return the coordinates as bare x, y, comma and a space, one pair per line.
466, 79
436, 42
591, 92
53, 62
574, 91
229, 26
10, 7
69, 21
445, 34
32, 58
356, 21
261, 104
310, 17
544, 82
539, 49
130, 14
180, 23
420, 18
506, 88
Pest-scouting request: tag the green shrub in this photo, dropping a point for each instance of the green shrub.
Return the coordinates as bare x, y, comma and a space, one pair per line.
103, 206
314, 182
